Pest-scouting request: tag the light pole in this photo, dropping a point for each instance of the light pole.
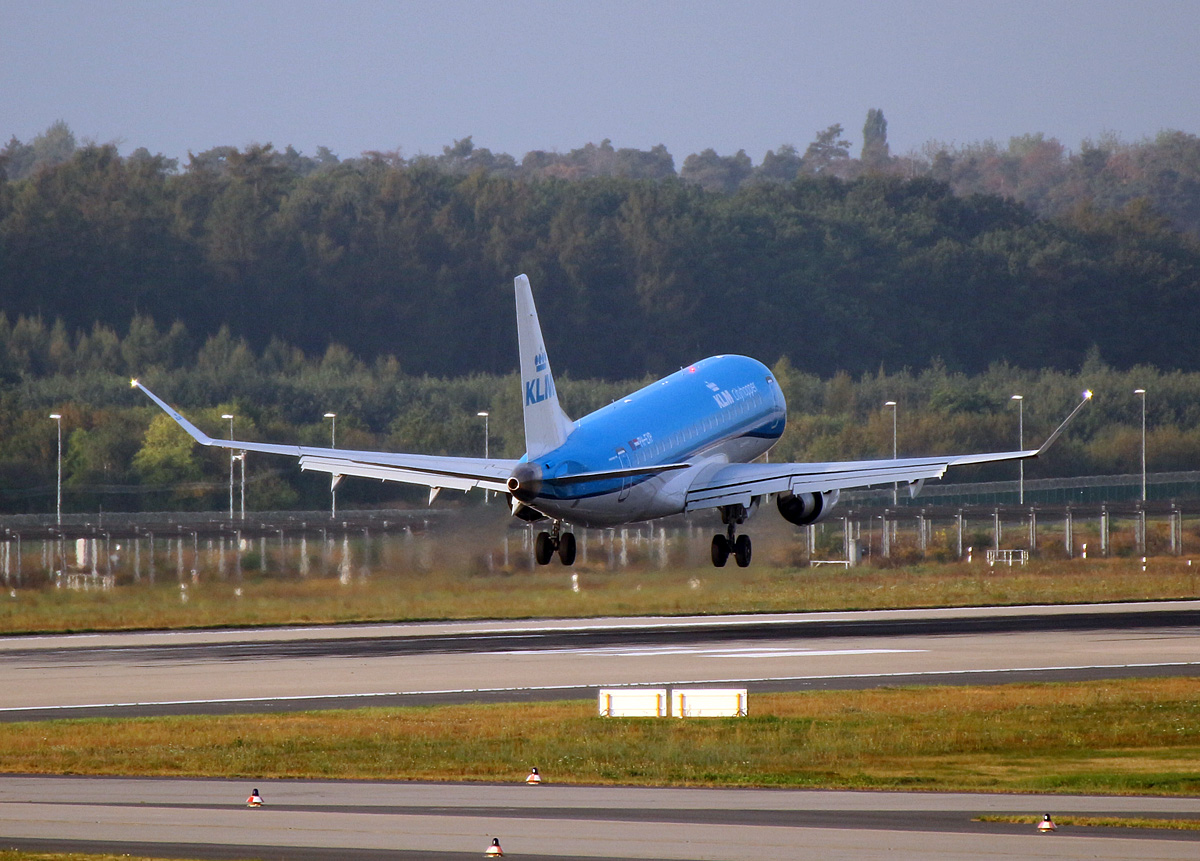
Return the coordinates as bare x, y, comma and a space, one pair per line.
1020, 399
332, 444
1142, 392
483, 414
241, 455
895, 485
230, 417
58, 486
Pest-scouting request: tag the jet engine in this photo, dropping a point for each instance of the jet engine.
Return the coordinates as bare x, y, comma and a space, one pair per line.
803, 509
522, 511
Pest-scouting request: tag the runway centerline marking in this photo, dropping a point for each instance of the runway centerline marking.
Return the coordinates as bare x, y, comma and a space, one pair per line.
709, 652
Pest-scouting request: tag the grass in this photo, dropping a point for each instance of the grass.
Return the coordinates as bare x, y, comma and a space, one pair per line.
21, 855
399, 593
1099, 822
1128, 737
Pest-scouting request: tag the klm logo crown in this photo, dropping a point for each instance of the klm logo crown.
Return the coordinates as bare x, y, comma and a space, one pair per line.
540, 362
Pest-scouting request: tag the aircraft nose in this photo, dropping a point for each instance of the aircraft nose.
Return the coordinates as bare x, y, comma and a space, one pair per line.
525, 482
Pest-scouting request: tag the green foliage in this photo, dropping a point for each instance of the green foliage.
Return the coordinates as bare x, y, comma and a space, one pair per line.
120, 452
379, 288
414, 258
875, 145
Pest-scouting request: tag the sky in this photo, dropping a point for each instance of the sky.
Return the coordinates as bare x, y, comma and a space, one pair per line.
357, 75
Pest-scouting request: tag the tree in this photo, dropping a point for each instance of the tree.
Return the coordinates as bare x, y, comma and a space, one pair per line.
827, 152
783, 165
717, 173
875, 146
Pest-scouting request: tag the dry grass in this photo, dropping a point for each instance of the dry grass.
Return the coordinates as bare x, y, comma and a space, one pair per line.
1140, 736
21, 855
402, 594
1100, 822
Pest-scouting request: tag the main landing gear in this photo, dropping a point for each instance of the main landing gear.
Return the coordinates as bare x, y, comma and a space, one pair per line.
723, 545
547, 543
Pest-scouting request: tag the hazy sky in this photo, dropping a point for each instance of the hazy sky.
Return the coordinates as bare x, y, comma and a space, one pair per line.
356, 75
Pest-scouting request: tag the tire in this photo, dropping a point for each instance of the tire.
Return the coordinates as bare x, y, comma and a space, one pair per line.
741, 551
566, 549
720, 550
543, 548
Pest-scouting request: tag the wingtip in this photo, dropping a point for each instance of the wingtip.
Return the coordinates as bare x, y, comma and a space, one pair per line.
134, 384
1087, 394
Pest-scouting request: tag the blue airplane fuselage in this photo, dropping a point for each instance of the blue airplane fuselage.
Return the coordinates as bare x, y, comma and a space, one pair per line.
724, 409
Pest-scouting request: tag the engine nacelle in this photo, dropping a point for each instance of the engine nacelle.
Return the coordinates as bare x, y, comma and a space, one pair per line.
804, 509
522, 511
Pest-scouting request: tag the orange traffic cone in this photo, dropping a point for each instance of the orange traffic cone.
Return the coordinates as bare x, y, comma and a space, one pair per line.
534, 778
1047, 824
255, 800
494, 851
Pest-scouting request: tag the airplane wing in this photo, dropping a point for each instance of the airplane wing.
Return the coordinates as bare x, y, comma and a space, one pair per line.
739, 483
432, 471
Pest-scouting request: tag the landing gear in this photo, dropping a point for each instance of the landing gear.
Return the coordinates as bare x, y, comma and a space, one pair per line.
738, 545
720, 550
741, 551
546, 543
566, 549
543, 548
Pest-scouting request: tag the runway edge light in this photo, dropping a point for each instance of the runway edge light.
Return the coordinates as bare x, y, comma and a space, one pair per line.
534, 779
255, 800
1047, 824
494, 851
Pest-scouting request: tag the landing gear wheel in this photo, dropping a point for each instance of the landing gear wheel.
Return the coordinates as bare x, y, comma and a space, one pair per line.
543, 548
720, 550
741, 551
566, 549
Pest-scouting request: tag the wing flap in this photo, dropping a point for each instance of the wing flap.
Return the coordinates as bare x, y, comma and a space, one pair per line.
457, 473
739, 483
441, 474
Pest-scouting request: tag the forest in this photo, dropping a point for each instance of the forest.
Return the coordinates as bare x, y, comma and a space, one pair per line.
278, 287
121, 453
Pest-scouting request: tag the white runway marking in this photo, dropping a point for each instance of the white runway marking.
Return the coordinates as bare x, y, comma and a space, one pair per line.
709, 652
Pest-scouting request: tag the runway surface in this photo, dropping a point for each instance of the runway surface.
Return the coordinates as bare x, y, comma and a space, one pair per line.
349, 666
360, 821
232, 671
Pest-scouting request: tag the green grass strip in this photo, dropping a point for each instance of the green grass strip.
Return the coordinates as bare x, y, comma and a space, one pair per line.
468, 591
1098, 821
1117, 737
22, 855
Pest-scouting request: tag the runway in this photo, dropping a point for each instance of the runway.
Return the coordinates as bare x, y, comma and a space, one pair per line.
256, 670
348, 666
361, 821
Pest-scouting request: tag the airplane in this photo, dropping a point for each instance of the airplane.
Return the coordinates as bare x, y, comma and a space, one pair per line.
683, 443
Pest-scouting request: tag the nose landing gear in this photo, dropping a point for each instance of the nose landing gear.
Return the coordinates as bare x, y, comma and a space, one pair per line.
738, 545
547, 543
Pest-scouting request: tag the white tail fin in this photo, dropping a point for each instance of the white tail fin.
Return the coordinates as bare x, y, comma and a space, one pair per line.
546, 425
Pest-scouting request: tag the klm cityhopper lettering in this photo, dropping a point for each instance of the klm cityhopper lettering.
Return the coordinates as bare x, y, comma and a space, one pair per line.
538, 389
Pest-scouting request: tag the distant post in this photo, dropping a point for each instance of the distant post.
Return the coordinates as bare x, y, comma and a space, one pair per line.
484, 415
231, 459
333, 484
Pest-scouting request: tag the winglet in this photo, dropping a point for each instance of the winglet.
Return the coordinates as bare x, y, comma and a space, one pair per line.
195, 432
1087, 396
546, 425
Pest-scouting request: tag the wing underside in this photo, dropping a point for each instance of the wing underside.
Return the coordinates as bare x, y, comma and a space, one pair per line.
433, 471
739, 483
